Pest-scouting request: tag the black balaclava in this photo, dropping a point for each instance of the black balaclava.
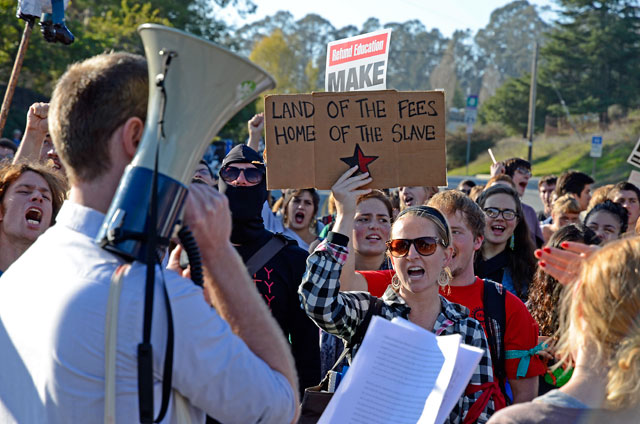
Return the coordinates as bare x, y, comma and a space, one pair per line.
245, 202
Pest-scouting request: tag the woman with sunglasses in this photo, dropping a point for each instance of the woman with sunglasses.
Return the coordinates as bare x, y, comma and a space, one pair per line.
506, 255
420, 250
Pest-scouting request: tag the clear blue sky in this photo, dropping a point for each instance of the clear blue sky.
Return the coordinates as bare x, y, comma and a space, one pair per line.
446, 15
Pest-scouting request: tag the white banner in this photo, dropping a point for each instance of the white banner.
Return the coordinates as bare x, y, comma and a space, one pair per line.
358, 63
634, 157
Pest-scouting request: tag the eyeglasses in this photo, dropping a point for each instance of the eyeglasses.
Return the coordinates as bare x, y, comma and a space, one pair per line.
524, 171
231, 173
507, 214
426, 246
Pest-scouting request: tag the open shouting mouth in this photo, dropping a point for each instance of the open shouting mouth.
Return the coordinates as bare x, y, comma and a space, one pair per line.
33, 216
299, 217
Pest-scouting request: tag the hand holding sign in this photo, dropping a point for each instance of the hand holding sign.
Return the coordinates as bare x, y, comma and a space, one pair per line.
347, 189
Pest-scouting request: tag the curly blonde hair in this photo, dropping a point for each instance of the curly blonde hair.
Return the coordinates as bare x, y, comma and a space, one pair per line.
602, 310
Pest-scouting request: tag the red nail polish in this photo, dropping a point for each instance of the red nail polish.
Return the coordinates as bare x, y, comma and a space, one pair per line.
546, 249
537, 254
542, 264
564, 245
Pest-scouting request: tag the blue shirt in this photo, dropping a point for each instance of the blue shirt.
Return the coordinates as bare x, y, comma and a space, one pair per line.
52, 316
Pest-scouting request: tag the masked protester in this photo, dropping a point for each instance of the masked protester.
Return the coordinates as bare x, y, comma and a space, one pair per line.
279, 272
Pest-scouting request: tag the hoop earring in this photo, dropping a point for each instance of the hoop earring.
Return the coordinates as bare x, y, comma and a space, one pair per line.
445, 277
395, 282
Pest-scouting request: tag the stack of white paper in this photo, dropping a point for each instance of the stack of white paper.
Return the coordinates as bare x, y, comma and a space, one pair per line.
403, 373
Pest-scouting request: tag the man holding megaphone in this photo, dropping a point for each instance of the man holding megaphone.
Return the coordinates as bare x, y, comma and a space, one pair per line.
231, 362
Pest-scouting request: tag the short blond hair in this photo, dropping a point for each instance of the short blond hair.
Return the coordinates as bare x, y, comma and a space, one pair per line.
566, 204
602, 311
599, 195
90, 101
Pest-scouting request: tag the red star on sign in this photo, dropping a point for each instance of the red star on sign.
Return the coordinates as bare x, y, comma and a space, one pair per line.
359, 159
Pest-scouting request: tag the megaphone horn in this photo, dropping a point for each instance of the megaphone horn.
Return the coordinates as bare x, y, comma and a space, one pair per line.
195, 87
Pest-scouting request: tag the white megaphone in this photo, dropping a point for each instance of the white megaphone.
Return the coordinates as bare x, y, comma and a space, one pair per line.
195, 87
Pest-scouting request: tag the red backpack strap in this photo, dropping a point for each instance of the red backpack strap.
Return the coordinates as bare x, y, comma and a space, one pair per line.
490, 391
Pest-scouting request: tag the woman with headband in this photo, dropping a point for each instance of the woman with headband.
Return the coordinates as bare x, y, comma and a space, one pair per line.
420, 250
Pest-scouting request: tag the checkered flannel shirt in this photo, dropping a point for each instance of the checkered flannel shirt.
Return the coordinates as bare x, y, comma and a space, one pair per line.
340, 313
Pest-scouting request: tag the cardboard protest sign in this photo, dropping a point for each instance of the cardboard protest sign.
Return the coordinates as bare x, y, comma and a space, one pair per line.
398, 137
358, 63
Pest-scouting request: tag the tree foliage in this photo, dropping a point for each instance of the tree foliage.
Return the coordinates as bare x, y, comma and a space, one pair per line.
510, 105
279, 59
99, 26
507, 41
593, 55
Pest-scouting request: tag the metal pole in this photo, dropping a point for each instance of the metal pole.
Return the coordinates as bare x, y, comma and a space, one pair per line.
532, 99
468, 150
593, 169
17, 66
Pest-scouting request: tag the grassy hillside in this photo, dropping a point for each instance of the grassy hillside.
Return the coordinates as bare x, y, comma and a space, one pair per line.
553, 155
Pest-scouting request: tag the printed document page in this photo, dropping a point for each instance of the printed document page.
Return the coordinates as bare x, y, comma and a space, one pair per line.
466, 363
392, 377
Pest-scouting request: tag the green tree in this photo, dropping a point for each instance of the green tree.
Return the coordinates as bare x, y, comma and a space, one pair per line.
507, 40
510, 105
593, 55
413, 55
276, 57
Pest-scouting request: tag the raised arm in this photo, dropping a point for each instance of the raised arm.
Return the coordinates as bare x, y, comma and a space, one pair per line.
345, 200
256, 125
34, 134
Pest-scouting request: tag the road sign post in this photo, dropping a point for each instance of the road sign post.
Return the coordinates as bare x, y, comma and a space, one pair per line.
596, 152
470, 117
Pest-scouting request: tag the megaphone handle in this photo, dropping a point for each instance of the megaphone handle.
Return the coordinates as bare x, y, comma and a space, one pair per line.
190, 246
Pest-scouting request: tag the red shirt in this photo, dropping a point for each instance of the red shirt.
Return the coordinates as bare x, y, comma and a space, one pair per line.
521, 332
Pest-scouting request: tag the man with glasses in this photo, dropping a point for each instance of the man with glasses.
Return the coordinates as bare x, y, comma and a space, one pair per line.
520, 171
204, 174
276, 269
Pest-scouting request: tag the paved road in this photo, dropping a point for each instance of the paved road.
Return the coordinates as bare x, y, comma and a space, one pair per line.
530, 197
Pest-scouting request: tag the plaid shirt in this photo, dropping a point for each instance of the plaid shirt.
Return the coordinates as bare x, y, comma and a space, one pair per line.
340, 313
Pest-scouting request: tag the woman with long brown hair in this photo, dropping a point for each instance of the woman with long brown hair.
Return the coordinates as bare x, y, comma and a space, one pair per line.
506, 256
544, 297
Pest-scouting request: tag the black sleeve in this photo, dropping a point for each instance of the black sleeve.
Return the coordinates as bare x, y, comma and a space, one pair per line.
304, 334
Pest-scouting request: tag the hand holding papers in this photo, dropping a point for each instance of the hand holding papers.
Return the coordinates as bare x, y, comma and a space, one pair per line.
403, 374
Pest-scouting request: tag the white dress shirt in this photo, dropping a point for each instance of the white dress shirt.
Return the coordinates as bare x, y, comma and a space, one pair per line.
52, 317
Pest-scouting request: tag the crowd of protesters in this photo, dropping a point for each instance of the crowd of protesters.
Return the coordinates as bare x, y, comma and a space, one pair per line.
550, 296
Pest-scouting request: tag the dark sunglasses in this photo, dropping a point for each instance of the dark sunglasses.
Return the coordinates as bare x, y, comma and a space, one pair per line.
507, 214
231, 173
426, 246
